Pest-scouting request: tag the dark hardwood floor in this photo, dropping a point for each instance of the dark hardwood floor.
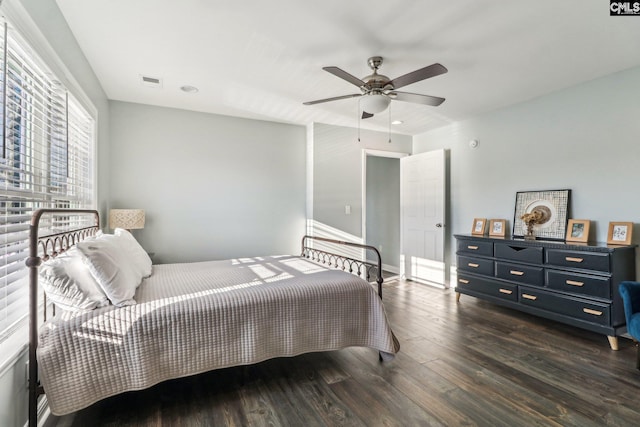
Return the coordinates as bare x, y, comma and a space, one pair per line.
471, 363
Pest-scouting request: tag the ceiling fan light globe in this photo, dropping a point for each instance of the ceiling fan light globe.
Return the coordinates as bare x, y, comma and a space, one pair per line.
375, 103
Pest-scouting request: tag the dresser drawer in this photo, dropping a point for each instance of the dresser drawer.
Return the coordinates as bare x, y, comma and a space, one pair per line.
476, 265
579, 283
570, 306
578, 259
520, 273
476, 247
532, 255
488, 287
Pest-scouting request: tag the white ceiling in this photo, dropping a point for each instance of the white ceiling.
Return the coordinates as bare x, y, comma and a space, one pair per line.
262, 59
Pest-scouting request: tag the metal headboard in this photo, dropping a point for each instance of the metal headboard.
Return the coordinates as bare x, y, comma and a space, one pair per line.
42, 248
343, 262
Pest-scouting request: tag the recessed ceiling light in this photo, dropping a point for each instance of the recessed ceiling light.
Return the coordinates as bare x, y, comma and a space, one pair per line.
189, 89
397, 122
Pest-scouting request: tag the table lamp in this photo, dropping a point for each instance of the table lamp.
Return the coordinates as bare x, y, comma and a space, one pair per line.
129, 219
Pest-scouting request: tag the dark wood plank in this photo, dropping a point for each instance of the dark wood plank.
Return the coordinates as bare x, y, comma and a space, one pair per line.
423, 386
312, 400
375, 398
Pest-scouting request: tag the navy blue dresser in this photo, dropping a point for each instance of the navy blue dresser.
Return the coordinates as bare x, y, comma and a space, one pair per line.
573, 283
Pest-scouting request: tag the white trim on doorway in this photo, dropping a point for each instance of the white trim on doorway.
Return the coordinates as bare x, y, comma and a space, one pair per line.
376, 153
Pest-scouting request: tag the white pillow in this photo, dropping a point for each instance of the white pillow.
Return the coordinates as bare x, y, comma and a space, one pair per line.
138, 255
111, 267
69, 284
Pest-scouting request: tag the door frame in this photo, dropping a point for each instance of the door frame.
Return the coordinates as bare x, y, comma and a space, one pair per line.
375, 153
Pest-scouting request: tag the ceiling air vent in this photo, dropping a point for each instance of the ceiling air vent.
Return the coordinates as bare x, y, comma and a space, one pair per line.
151, 81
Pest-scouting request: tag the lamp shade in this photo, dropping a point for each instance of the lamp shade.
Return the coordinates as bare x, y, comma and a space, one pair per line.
374, 103
128, 219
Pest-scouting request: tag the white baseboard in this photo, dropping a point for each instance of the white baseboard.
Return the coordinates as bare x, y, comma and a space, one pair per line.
391, 268
44, 418
428, 283
387, 267
44, 413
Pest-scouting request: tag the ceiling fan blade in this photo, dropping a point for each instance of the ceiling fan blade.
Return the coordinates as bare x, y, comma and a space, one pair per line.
366, 115
335, 98
421, 74
344, 75
416, 98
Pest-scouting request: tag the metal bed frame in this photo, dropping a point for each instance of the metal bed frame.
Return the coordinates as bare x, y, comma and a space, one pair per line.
42, 248
345, 263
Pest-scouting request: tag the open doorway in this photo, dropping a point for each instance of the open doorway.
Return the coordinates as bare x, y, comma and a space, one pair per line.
381, 206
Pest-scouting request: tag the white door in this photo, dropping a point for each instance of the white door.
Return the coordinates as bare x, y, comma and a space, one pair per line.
422, 216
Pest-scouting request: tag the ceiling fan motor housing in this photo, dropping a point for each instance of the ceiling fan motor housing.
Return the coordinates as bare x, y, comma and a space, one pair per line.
375, 82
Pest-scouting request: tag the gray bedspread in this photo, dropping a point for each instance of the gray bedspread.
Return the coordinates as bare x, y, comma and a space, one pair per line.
196, 317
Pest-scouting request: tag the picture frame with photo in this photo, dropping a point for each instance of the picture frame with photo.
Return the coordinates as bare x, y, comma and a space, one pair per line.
497, 227
553, 206
578, 230
479, 226
620, 233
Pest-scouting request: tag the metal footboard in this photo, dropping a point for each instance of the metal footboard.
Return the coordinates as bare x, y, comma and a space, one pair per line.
343, 262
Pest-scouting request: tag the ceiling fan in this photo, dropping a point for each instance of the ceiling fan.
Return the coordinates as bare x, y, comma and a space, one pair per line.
377, 90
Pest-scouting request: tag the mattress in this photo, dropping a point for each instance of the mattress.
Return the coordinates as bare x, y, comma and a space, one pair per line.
196, 317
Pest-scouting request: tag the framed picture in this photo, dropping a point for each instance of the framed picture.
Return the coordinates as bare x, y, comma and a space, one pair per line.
578, 230
479, 226
620, 233
553, 206
497, 227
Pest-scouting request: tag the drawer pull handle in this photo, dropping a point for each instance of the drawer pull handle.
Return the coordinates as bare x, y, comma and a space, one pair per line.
473, 248
465, 281
474, 265
572, 259
505, 291
531, 297
517, 273
594, 312
574, 283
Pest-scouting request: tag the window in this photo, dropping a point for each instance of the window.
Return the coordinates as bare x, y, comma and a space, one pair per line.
46, 161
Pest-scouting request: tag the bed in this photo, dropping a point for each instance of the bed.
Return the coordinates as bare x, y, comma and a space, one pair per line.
195, 317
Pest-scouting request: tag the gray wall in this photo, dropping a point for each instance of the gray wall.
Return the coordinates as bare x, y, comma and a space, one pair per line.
213, 187
47, 17
337, 175
585, 138
383, 208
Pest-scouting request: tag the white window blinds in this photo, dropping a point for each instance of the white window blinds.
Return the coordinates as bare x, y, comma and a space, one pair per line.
46, 161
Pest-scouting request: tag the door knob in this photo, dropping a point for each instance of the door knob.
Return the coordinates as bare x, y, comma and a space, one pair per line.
439, 225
